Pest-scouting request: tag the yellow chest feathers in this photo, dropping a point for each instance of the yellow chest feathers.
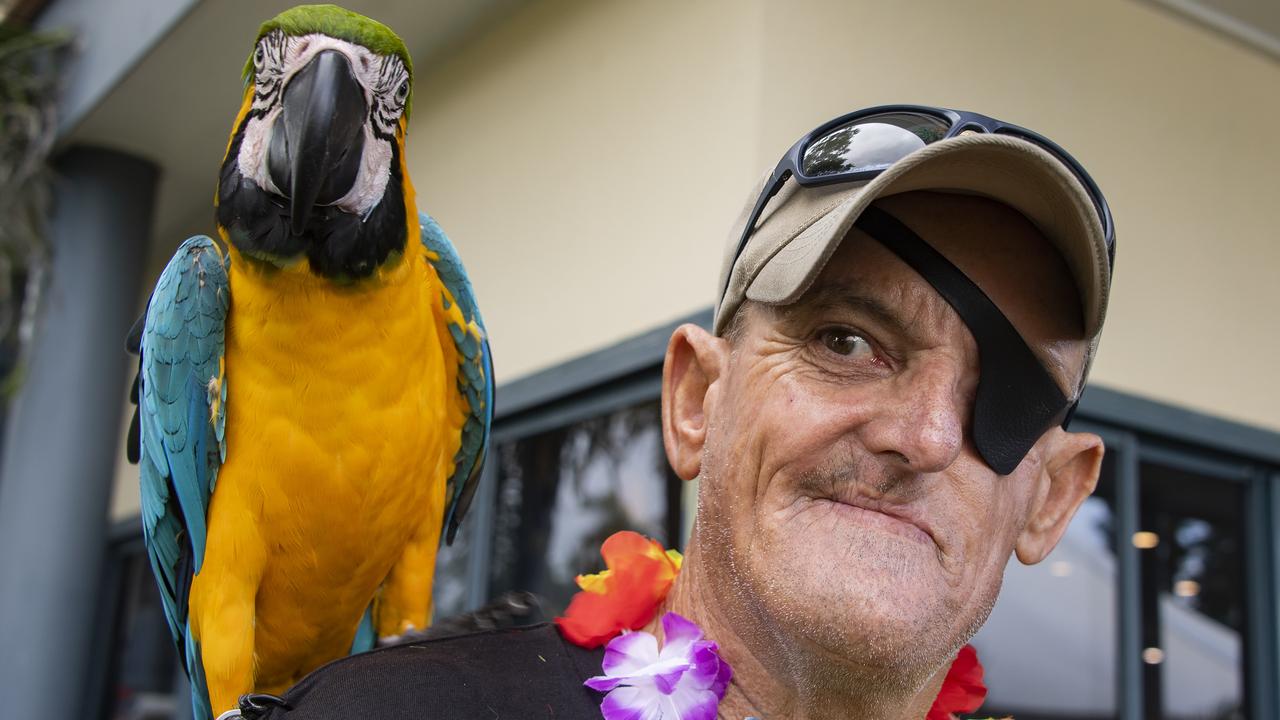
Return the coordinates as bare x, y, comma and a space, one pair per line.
340, 393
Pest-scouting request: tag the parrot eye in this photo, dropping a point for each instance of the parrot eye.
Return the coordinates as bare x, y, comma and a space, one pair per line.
258, 56
402, 92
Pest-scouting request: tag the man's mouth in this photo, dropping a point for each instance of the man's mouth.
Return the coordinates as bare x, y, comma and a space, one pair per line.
897, 519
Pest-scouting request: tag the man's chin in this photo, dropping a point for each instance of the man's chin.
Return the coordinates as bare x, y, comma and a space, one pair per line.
873, 627
860, 588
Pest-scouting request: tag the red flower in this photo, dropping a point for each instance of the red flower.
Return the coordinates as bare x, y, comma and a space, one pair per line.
624, 597
962, 690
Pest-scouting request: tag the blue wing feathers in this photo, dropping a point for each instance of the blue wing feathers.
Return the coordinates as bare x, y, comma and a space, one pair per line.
475, 381
182, 438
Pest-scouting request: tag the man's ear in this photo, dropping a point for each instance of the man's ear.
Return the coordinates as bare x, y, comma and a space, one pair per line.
1070, 475
693, 362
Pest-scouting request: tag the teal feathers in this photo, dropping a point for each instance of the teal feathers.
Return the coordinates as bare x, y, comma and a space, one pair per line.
475, 376
182, 411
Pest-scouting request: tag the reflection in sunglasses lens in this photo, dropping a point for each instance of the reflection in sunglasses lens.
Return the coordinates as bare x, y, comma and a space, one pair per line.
871, 143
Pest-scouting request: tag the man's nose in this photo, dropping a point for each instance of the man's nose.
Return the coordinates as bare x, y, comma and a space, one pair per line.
921, 423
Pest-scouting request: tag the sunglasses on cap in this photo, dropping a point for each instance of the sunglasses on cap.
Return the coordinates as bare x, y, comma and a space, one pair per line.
1017, 400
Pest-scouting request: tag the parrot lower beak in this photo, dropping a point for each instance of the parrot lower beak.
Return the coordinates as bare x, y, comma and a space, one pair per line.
318, 141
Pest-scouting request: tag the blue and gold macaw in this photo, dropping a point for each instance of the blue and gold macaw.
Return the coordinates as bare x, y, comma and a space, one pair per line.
314, 399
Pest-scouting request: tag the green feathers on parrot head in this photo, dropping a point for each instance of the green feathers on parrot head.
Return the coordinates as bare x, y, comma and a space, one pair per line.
314, 169
339, 23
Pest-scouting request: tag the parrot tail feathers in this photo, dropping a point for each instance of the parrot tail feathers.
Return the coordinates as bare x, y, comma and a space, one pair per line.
201, 707
366, 638
133, 345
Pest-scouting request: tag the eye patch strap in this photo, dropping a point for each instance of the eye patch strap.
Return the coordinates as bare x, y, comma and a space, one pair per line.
1017, 400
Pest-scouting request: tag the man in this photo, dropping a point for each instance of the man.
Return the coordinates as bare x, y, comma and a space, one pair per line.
908, 308
845, 503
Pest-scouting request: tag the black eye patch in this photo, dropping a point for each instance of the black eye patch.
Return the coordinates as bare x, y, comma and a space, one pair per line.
1017, 400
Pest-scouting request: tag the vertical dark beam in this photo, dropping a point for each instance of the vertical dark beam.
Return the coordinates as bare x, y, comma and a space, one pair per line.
1273, 483
182, 709
61, 444
101, 656
1129, 663
481, 521
1261, 600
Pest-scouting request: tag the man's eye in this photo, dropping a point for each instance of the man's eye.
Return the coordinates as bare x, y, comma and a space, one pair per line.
845, 342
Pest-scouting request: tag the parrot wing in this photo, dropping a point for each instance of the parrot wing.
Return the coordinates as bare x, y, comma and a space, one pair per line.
182, 414
475, 374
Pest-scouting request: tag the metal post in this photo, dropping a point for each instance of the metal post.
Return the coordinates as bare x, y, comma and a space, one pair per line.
480, 556
1129, 663
61, 442
1261, 602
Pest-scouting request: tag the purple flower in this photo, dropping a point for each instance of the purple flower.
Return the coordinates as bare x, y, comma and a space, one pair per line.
685, 681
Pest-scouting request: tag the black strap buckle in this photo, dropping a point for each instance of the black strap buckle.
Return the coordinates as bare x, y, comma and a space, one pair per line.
254, 706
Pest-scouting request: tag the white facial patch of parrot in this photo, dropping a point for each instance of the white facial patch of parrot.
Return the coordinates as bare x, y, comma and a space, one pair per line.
253, 151
371, 181
385, 81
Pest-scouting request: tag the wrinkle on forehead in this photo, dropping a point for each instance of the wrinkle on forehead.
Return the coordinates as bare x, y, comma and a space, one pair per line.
996, 247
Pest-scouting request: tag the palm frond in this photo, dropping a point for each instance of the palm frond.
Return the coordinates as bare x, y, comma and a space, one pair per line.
31, 65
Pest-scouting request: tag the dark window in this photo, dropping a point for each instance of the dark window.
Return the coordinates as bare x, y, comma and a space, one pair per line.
1193, 594
561, 492
451, 587
143, 664
1049, 647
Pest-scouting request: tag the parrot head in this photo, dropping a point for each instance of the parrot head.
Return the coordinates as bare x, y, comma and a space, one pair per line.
314, 169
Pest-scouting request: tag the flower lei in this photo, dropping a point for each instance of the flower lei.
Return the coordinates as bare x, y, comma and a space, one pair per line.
686, 679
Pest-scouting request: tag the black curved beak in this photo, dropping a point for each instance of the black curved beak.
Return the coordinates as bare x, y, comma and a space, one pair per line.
318, 140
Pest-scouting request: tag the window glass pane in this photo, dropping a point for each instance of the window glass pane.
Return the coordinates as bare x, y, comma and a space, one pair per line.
1049, 647
562, 492
1193, 594
449, 590
144, 663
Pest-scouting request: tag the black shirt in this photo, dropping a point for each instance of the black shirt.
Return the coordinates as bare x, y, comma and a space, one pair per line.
511, 674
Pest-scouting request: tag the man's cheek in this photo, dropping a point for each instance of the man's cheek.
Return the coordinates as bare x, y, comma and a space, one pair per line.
797, 427
976, 533
990, 541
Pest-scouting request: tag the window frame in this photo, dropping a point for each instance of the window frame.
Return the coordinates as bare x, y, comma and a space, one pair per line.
1242, 29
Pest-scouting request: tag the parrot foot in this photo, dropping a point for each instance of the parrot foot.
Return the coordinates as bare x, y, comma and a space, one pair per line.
410, 633
509, 610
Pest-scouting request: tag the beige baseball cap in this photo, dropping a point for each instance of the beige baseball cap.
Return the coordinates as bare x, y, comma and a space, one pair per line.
800, 228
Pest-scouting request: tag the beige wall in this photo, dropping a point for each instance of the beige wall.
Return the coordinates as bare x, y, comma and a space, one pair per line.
588, 157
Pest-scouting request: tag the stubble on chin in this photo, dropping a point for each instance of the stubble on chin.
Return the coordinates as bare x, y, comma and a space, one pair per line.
822, 589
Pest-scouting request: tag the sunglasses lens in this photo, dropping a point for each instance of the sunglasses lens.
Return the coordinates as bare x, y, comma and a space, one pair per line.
871, 143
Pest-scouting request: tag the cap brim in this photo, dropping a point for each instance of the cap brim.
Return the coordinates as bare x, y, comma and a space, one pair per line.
1002, 168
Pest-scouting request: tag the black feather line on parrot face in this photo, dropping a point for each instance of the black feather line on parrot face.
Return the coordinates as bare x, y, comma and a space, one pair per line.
337, 244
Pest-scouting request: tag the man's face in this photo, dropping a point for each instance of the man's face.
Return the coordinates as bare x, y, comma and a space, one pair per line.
842, 497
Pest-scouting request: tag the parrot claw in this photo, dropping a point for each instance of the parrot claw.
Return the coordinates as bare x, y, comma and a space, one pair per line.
409, 633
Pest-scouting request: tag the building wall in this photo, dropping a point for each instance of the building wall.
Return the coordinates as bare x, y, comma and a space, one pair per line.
588, 158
